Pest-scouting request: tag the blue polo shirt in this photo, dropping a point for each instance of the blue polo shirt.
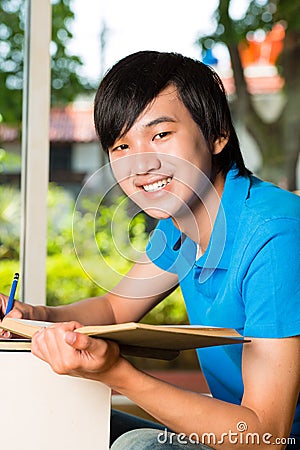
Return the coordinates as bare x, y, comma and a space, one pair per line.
248, 278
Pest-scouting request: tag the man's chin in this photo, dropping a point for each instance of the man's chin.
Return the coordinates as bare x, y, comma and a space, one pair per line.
157, 213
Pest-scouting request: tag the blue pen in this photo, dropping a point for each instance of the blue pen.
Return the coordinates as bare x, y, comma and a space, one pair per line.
11, 297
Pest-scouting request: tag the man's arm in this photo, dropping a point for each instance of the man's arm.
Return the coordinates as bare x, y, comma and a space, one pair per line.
271, 374
143, 287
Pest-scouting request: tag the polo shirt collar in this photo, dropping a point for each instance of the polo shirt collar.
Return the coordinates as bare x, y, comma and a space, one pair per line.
235, 193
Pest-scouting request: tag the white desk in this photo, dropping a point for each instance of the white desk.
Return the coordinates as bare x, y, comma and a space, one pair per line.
41, 410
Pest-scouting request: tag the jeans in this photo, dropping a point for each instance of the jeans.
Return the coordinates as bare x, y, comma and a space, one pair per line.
129, 432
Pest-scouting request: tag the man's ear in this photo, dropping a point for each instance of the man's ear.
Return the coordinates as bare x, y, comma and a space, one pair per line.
219, 144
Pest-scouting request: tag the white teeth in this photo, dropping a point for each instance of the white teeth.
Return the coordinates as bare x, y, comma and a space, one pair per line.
157, 185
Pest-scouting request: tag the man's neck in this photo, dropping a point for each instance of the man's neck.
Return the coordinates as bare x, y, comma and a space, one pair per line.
198, 223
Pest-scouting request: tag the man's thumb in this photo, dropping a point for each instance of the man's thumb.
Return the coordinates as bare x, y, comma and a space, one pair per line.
77, 340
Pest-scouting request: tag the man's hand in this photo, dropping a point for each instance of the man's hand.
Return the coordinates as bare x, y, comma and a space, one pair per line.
72, 353
15, 312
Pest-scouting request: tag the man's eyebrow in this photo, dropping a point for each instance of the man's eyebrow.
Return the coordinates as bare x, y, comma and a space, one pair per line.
159, 120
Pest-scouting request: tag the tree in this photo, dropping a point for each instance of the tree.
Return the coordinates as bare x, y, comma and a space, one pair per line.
66, 82
279, 142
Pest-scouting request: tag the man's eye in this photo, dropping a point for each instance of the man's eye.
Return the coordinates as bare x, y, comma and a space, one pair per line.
161, 135
120, 148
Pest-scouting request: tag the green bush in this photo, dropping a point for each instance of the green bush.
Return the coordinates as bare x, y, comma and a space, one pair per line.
170, 311
67, 282
10, 205
89, 249
7, 270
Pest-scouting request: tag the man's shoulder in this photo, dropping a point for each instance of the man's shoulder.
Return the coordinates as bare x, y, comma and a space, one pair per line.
268, 230
268, 202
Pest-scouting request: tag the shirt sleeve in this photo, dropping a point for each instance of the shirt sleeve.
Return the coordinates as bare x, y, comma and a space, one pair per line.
269, 280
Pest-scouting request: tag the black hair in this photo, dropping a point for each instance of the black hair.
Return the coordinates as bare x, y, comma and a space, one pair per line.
134, 82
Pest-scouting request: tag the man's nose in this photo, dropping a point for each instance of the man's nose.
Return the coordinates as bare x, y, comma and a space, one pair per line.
143, 162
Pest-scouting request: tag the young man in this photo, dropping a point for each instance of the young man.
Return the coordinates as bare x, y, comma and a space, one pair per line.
229, 239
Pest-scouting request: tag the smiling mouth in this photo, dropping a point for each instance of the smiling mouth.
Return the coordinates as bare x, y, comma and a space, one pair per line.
157, 186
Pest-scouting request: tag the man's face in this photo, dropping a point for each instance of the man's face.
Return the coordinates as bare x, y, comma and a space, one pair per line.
163, 162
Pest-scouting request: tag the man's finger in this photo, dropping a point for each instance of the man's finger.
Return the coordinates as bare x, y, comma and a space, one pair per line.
79, 341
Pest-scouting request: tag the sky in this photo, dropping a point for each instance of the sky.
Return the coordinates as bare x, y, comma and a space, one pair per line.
132, 25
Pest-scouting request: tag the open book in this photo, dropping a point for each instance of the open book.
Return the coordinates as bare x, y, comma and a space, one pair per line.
138, 339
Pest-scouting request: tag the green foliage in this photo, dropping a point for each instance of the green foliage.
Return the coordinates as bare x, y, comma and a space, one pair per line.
171, 311
111, 229
279, 147
107, 237
60, 209
7, 269
9, 222
66, 82
258, 15
67, 282
11, 58
9, 161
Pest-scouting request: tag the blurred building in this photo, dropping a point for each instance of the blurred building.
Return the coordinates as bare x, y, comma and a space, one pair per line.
75, 153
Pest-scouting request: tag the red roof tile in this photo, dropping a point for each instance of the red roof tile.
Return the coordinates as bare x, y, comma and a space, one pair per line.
257, 85
72, 125
8, 133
